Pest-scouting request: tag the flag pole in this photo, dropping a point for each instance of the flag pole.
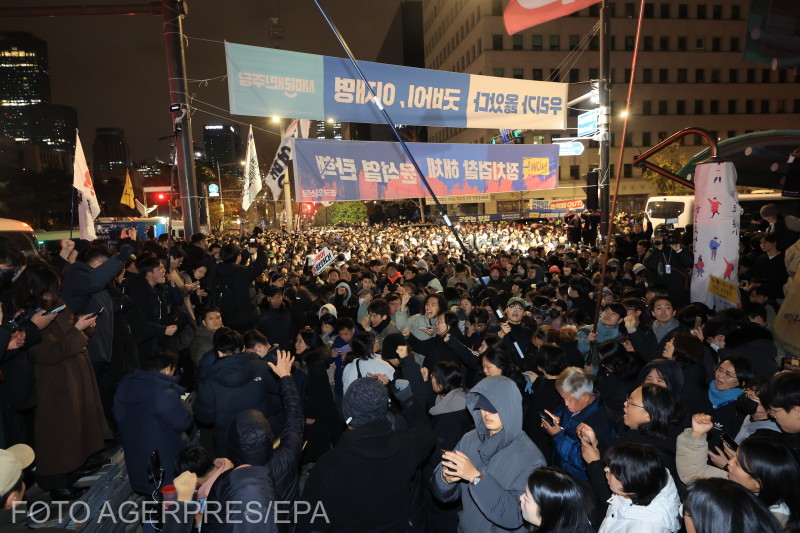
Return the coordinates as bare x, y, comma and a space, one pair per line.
72, 213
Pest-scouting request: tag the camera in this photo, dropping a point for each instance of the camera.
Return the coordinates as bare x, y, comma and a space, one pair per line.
674, 237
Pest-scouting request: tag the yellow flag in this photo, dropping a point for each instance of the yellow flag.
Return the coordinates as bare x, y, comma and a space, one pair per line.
127, 192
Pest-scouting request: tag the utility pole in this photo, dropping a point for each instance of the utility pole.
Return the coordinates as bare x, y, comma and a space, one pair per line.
221, 202
604, 116
172, 13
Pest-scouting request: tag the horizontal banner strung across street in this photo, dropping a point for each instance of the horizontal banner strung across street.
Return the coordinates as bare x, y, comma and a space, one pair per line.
330, 170
265, 82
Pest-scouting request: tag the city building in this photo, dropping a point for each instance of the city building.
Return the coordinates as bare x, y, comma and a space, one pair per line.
690, 73
26, 113
224, 146
111, 156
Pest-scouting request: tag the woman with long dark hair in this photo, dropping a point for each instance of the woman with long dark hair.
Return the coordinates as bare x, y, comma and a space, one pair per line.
722, 506
450, 421
554, 502
69, 423
763, 465
323, 423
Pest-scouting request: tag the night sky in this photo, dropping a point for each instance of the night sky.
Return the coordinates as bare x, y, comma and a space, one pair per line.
113, 68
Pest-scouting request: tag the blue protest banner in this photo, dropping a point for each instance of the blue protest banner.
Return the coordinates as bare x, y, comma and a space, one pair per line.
266, 82
330, 170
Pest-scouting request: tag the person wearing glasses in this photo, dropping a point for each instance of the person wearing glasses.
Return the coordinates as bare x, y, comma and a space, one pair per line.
731, 377
781, 398
649, 418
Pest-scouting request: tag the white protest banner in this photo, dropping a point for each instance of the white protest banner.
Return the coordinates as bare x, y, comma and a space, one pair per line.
716, 230
323, 260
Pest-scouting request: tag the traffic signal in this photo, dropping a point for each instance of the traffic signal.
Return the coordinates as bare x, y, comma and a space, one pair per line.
161, 197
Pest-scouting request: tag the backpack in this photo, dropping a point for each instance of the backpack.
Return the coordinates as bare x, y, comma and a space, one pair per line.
221, 297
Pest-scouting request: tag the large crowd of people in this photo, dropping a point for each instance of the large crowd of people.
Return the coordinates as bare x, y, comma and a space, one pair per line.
537, 384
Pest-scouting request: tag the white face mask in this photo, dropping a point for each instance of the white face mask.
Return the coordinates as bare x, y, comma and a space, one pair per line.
714, 346
361, 301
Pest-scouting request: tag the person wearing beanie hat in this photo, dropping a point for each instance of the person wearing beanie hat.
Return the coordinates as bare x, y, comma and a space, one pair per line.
365, 482
366, 400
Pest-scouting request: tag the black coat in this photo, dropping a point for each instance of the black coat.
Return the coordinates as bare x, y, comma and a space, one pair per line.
152, 316
276, 325
755, 344
250, 442
545, 396
366, 481
324, 433
150, 416
231, 385
239, 306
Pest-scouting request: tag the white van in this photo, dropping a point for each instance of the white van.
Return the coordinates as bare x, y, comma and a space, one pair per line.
678, 210
20, 235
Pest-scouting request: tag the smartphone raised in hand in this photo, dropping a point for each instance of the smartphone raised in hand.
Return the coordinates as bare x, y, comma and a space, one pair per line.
98, 312
55, 310
547, 418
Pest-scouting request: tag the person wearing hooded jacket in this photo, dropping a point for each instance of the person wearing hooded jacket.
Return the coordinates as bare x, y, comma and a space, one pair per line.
489, 467
344, 302
234, 382
244, 497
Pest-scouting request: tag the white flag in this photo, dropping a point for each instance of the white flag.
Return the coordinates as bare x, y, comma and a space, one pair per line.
252, 176
277, 170
143, 209
89, 207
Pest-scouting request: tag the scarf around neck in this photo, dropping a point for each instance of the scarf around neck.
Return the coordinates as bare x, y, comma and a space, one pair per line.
719, 398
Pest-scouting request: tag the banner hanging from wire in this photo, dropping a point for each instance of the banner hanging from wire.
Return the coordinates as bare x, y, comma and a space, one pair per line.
266, 82
331, 170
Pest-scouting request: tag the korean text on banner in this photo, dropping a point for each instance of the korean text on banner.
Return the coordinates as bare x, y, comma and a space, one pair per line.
328, 170
323, 260
266, 82
716, 231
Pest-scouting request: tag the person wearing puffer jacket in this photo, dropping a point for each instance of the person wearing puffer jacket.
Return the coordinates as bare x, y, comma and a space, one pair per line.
244, 497
489, 467
645, 498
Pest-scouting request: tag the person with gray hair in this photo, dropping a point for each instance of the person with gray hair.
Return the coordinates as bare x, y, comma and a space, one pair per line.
581, 405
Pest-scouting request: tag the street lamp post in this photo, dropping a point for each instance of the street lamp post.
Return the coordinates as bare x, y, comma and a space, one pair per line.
221, 201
